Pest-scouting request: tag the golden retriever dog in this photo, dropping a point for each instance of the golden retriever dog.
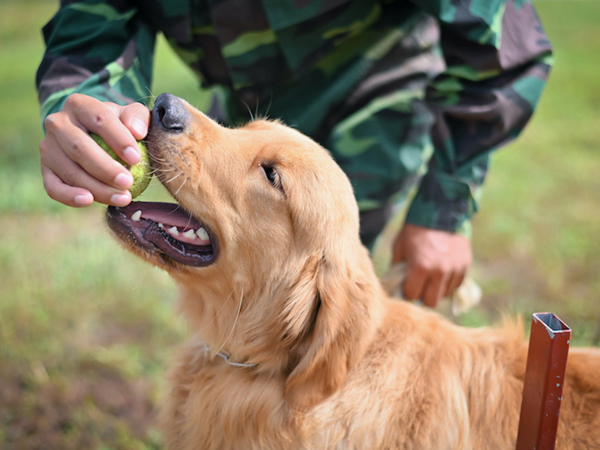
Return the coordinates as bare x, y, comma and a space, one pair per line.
296, 345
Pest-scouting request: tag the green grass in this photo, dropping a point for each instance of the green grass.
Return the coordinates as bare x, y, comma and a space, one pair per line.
86, 329
537, 239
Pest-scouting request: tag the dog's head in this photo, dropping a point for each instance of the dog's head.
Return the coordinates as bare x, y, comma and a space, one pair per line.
263, 240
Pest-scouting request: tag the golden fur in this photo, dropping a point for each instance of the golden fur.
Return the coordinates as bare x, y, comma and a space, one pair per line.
340, 365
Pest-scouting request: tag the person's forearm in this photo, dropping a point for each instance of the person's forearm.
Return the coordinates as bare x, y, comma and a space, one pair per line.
497, 66
96, 50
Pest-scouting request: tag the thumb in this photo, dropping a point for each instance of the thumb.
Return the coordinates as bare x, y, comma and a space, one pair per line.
136, 117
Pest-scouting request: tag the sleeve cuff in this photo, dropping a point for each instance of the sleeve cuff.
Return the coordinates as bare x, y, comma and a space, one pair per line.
444, 202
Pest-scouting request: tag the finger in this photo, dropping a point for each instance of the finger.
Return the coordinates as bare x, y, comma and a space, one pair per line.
63, 193
81, 148
102, 119
136, 117
455, 282
451, 285
73, 175
414, 283
434, 289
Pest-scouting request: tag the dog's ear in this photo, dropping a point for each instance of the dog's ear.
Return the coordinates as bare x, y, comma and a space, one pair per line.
344, 323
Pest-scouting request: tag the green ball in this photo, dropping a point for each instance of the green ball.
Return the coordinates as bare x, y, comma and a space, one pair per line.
141, 171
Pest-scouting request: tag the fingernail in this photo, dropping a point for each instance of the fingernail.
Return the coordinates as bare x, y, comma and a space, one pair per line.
120, 199
140, 127
124, 180
131, 155
84, 199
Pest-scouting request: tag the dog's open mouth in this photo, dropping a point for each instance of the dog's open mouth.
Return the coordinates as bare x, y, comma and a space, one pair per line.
165, 228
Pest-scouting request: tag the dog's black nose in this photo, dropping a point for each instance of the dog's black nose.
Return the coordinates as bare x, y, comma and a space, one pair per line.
169, 113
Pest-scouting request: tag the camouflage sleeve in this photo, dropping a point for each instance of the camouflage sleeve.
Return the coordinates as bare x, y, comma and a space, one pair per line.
497, 62
101, 49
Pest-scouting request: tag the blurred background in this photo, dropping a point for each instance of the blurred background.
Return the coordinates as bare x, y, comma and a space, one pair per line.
86, 329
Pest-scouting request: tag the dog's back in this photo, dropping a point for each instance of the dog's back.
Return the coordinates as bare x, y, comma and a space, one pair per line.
425, 383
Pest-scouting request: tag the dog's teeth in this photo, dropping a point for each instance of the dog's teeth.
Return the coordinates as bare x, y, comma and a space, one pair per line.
160, 225
202, 234
190, 234
136, 216
174, 231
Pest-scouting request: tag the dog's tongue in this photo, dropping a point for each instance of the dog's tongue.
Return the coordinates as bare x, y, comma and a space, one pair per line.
165, 227
166, 213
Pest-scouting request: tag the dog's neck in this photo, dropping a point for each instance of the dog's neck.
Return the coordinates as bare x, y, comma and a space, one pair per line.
236, 329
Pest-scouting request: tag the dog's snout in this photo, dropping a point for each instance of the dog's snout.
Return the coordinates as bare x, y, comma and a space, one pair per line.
169, 113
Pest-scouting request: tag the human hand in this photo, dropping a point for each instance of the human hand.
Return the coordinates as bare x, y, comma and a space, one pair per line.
437, 262
76, 171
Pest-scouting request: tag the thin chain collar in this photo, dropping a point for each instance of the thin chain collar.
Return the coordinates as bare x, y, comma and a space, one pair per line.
227, 359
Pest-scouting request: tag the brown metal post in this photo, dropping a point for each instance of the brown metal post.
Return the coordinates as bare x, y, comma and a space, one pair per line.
544, 380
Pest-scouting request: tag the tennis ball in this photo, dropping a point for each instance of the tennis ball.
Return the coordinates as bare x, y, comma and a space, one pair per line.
141, 171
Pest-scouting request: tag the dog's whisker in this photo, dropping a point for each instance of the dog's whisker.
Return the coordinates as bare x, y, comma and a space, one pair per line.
174, 178
161, 161
181, 187
249, 111
234, 322
269, 107
163, 170
217, 314
149, 96
158, 159
160, 170
189, 221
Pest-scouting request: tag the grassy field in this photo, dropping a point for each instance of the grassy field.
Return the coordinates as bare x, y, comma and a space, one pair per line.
86, 330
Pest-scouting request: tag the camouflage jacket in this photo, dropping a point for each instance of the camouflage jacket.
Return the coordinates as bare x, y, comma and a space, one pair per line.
400, 92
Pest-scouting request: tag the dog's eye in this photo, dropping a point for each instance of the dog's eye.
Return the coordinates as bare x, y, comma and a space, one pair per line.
272, 176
